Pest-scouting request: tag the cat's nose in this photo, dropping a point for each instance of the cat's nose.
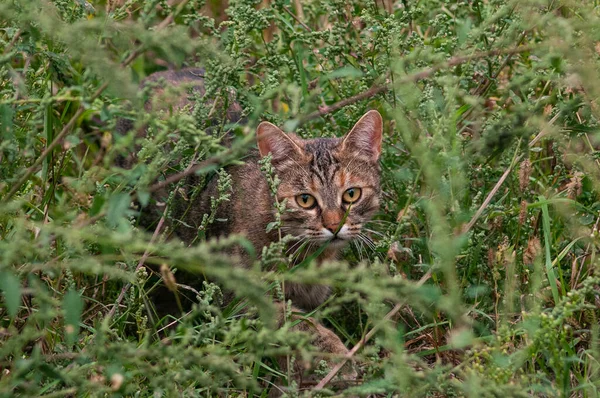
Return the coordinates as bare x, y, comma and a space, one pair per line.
331, 220
331, 227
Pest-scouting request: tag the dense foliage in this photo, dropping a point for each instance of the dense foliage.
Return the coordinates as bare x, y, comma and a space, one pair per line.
481, 278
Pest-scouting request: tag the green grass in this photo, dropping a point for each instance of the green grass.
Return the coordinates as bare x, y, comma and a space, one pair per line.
483, 278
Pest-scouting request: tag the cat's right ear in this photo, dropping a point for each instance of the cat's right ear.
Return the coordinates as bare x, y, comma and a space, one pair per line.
280, 145
365, 137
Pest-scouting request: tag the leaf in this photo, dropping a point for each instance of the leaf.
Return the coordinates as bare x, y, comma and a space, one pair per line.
50, 372
143, 197
461, 338
291, 125
516, 99
346, 71
586, 219
299, 57
463, 28
118, 204
547, 236
97, 204
460, 111
11, 290
48, 135
249, 247
73, 307
271, 225
6, 121
284, 20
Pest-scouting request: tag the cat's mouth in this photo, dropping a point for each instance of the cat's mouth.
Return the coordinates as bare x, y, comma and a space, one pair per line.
337, 241
333, 242
335, 238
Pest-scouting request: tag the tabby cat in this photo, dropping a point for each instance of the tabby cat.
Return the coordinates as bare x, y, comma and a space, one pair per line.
331, 187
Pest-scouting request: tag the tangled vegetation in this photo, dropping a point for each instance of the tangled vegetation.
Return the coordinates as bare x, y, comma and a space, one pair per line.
482, 279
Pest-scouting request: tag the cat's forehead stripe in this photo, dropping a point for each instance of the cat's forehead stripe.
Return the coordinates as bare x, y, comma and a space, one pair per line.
323, 165
325, 171
324, 168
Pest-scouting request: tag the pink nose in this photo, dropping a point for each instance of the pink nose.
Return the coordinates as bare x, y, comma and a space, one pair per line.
332, 220
331, 227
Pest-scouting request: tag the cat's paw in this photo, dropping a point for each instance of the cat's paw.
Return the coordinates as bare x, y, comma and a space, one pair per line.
329, 351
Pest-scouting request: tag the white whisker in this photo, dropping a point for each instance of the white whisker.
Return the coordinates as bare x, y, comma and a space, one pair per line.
381, 222
375, 232
360, 247
296, 244
361, 237
368, 240
308, 248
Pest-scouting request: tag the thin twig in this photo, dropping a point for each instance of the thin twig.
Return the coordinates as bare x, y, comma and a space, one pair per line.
291, 14
368, 336
217, 159
324, 110
13, 41
544, 131
494, 190
484, 87
381, 88
172, 16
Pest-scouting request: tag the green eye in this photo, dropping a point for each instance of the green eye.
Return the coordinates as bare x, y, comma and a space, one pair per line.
351, 195
306, 201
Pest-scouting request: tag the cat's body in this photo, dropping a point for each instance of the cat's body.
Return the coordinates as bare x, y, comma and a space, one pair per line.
324, 168
322, 171
247, 213
330, 186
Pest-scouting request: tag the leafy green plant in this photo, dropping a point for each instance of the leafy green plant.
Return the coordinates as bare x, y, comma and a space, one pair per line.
480, 277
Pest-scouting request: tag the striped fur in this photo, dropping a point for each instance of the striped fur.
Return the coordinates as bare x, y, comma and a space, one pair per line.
325, 168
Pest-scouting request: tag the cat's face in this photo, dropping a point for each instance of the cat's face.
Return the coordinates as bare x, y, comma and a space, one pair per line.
331, 184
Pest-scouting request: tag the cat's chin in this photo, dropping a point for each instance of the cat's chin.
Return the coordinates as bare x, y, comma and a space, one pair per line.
335, 243
332, 243
338, 243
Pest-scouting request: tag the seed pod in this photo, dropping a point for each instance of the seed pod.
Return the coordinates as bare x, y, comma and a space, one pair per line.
534, 248
574, 187
523, 212
524, 174
168, 278
491, 257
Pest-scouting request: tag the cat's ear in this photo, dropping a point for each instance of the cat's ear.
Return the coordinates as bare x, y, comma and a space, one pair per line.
279, 144
365, 137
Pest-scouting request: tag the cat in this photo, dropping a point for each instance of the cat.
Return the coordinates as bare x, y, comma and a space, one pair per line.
330, 185
331, 188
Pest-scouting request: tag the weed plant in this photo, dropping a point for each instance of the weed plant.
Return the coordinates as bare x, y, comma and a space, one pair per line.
481, 279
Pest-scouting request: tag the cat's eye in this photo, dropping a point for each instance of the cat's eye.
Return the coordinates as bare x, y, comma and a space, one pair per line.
351, 195
306, 201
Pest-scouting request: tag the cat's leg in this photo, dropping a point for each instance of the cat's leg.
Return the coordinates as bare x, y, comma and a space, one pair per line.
324, 341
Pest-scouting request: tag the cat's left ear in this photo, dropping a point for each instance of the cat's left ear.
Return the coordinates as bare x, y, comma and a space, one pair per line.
280, 145
365, 137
